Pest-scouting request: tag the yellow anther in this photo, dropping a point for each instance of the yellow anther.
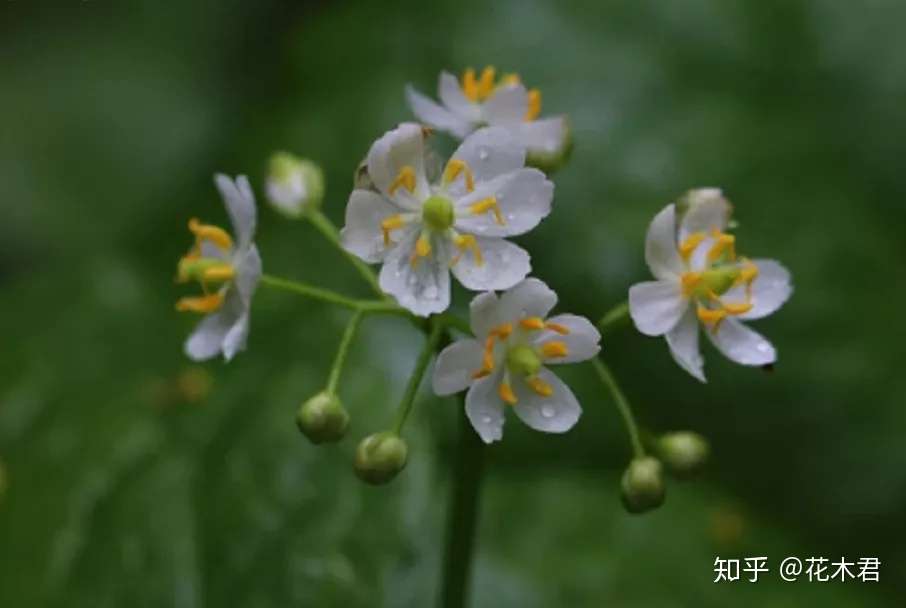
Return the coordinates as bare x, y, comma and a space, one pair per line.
486, 83
467, 242
534, 105
391, 223
690, 282
481, 374
214, 234
509, 80
506, 393
690, 243
405, 179
711, 316
487, 359
469, 84
219, 273
503, 330
454, 168
553, 350
737, 308
724, 244
532, 323
422, 250
747, 275
556, 327
201, 304
485, 205
540, 386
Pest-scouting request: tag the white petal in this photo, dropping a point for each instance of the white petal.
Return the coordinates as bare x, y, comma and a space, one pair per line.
489, 153
236, 337
683, 343
423, 287
656, 306
452, 96
483, 314
530, 298
741, 344
207, 340
582, 341
545, 136
507, 107
401, 147
523, 198
455, 366
485, 409
362, 234
770, 289
708, 210
660, 245
248, 272
240, 205
554, 414
435, 115
503, 265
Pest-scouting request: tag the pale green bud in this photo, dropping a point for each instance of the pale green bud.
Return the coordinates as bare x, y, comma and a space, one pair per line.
323, 418
684, 453
380, 457
643, 485
552, 160
294, 185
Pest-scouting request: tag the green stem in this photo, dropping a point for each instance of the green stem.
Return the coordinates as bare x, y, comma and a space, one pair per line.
332, 297
340, 358
610, 382
323, 224
614, 318
421, 364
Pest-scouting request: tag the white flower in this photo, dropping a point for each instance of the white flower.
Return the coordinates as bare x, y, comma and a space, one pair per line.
294, 185
505, 363
228, 273
422, 231
700, 279
478, 102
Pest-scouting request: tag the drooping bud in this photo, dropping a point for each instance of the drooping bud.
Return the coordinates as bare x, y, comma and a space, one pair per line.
684, 453
380, 457
294, 185
554, 156
323, 419
643, 485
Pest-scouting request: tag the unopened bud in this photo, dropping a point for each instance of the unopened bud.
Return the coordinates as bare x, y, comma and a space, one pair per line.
699, 196
323, 418
643, 485
294, 185
556, 152
683, 452
380, 457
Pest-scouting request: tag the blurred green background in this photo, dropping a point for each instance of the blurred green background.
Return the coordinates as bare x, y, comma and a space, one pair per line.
136, 478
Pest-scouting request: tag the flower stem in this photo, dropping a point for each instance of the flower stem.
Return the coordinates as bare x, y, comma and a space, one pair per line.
340, 358
610, 382
421, 364
463, 515
323, 224
332, 297
614, 318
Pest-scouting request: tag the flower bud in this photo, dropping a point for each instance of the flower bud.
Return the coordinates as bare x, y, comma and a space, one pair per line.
643, 485
683, 452
323, 418
294, 185
697, 196
380, 457
549, 160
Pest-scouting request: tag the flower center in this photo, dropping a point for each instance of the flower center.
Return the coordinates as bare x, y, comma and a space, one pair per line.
437, 213
208, 271
523, 361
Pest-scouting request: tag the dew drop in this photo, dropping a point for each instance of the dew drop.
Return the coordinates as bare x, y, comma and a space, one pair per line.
487, 419
762, 347
483, 154
481, 228
548, 411
511, 216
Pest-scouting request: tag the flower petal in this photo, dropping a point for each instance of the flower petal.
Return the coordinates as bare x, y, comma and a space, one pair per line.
582, 341
545, 136
507, 107
489, 153
483, 313
556, 413
396, 149
503, 265
240, 205
523, 199
236, 337
248, 272
455, 366
435, 115
708, 209
452, 96
422, 287
362, 234
683, 343
741, 344
656, 306
661, 253
207, 340
770, 289
485, 409
530, 298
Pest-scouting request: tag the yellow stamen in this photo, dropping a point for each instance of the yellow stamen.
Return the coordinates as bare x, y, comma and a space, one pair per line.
454, 168
481, 374
487, 204
486, 83
690, 282
469, 85
201, 304
391, 223
556, 327
737, 308
506, 393
534, 105
503, 330
532, 323
747, 275
467, 242
725, 244
405, 179
711, 317
214, 234
487, 359
540, 386
509, 80
690, 243
220, 272
422, 250
553, 350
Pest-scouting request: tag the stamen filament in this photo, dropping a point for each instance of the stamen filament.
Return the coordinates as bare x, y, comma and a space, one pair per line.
405, 179
540, 386
486, 204
506, 393
532, 323
534, 106
690, 243
392, 222
555, 349
725, 244
486, 84
214, 234
467, 242
469, 84
454, 168
557, 327
200, 304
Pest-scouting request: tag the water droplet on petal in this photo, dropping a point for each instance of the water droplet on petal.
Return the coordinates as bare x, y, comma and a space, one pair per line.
548, 411
511, 216
763, 347
481, 228
486, 419
483, 153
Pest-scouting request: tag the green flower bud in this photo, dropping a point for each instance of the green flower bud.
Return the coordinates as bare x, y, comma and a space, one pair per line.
551, 160
683, 452
323, 418
643, 485
294, 185
380, 457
